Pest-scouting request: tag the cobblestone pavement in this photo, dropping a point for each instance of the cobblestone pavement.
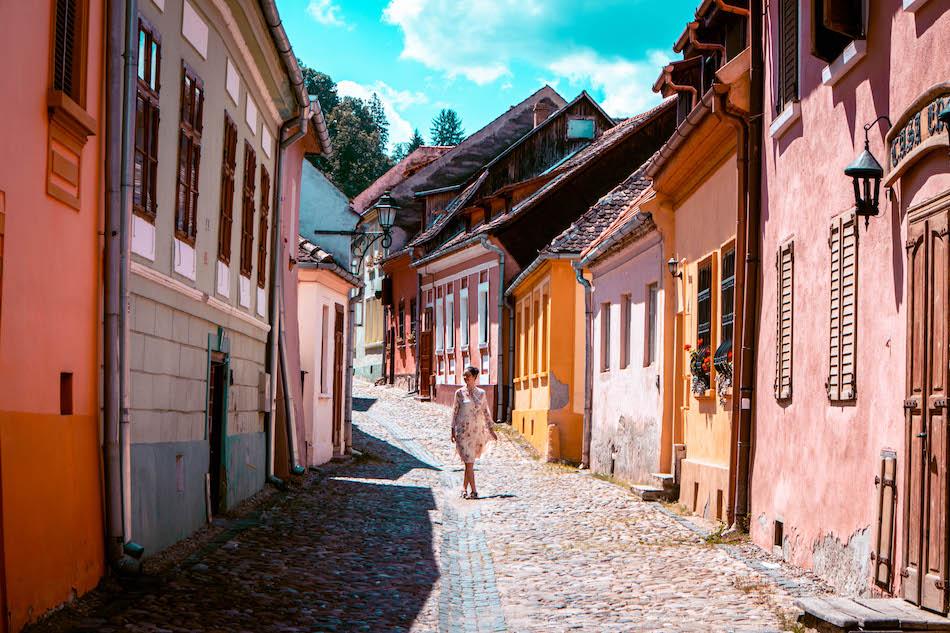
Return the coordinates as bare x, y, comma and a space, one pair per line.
384, 543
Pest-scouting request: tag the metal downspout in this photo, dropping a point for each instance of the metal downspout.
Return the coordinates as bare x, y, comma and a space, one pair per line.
419, 312
752, 261
588, 379
272, 354
509, 304
348, 378
120, 94
501, 330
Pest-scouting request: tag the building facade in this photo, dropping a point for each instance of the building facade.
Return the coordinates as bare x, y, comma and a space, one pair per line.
51, 186
854, 313
210, 121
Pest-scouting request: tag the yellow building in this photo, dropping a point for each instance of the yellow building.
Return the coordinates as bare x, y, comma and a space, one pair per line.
549, 358
699, 179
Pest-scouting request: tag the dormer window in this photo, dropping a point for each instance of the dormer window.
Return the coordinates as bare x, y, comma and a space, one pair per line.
837, 23
578, 129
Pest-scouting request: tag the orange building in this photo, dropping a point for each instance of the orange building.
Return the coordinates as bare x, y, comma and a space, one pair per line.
51, 148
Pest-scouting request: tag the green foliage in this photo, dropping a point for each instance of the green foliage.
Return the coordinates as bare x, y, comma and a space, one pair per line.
404, 149
447, 128
359, 133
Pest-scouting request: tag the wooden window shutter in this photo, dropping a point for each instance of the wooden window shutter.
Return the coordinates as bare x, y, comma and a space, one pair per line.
844, 16
228, 165
262, 232
247, 209
784, 275
843, 243
189, 156
68, 40
787, 55
883, 555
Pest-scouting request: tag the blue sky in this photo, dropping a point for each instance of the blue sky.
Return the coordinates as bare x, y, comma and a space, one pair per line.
481, 56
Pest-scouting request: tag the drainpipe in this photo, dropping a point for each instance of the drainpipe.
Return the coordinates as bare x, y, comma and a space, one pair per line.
501, 329
704, 46
419, 312
510, 305
752, 259
121, 552
348, 379
276, 271
588, 378
290, 415
728, 8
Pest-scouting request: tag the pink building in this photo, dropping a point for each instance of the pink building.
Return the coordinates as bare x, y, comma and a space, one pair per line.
850, 469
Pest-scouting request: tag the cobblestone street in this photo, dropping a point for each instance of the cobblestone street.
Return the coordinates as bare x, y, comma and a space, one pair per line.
384, 543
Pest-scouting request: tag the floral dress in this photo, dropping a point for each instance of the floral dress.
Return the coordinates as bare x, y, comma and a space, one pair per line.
471, 423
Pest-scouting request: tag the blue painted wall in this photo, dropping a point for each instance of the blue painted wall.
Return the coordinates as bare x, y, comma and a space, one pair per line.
323, 206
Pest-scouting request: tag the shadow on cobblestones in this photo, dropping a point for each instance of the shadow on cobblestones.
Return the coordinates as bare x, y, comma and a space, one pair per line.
349, 549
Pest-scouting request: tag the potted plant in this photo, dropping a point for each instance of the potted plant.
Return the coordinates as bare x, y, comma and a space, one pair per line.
724, 377
699, 363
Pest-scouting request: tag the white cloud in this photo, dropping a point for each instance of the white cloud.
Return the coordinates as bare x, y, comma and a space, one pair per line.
475, 40
393, 100
325, 12
627, 85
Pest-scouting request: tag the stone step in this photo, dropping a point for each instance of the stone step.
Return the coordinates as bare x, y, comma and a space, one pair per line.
649, 493
665, 480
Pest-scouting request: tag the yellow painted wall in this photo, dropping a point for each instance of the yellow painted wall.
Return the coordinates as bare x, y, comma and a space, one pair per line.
704, 226
545, 360
52, 510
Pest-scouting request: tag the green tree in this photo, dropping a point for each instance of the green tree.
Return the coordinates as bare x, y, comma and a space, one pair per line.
447, 128
404, 149
359, 133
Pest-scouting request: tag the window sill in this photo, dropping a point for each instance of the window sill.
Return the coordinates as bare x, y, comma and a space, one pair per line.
852, 54
913, 5
789, 116
70, 114
483, 346
706, 395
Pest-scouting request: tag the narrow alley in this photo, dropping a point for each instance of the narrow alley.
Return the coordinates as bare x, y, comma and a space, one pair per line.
385, 543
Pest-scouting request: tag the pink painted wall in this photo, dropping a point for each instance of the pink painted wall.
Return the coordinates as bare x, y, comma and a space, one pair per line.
405, 282
814, 463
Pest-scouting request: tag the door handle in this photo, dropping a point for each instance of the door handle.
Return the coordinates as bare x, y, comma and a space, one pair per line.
922, 435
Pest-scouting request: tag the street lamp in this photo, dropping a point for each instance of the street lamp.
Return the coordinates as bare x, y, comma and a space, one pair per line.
866, 174
363, 239
944, 117
673, 265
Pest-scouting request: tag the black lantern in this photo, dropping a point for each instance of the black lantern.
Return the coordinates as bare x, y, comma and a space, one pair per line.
944, 117
363, 240
673, 265
866, 174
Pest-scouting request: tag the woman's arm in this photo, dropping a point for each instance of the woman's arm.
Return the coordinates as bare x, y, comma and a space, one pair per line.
455, 414
488, 419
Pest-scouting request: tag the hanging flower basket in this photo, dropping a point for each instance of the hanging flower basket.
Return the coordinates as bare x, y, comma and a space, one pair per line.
699, 362
723, 365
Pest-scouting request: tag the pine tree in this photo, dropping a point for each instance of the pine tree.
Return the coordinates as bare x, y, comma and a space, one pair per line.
379, 119
401, 150
447, 128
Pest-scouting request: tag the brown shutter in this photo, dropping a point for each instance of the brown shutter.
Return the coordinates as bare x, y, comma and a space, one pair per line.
228, 164
247, 209
262, 232
883, 555
784, 274
844, 16
787, 55
843, 243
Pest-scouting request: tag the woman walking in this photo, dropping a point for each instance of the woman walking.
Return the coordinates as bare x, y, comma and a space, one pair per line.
471, 428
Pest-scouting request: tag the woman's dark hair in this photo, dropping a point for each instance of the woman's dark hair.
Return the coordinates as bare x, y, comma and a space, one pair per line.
472, 371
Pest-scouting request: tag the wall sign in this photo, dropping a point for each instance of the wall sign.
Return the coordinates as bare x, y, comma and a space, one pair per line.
917, 131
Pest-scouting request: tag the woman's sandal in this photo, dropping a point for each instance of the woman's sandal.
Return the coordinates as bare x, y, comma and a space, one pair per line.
464, 495
473, 495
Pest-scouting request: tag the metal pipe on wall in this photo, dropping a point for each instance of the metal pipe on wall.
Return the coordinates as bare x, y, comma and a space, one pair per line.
501, 330
588, 377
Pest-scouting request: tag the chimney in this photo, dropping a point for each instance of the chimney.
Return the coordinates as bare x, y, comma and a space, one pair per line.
542, 110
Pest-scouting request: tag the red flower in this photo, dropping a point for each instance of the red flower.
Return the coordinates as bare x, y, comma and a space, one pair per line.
687, 347
729, 355
699, 342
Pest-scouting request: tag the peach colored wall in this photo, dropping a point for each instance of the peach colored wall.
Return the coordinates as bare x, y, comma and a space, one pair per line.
49, 463
405, 282
815, 462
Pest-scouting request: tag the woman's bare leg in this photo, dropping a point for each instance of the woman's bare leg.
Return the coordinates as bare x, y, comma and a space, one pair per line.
469, 480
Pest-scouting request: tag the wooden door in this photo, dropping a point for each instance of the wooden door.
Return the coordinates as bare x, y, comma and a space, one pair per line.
928, 445
217, 383
425, 355
337, 432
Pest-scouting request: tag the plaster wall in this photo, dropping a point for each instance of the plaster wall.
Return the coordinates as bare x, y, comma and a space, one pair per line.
405, 282
319, 289
51, 530
808, 443
705, 222
627, 403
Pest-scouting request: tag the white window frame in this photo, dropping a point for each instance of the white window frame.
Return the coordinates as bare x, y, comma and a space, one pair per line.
484, 328
463, 318
439, 325
449, 321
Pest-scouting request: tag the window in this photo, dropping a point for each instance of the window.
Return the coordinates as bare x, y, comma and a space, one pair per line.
414, 318
401, 320
450, 321
324, 388
543, 358
189, 156
262, 229
704, 315
625, 309
727, 296
483, 313
786, 57
439, 325
837, 23
226, 212
784, 275
145, 166
523, 338
604, 337
529, 340
463, 317
650, 339
842, 383
66, 393
578, 128
247, 210
538, 336
69, 37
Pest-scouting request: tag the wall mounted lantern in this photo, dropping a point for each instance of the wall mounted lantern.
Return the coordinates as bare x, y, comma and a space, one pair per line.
866, 174
944, 117
673, 265
363, 240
